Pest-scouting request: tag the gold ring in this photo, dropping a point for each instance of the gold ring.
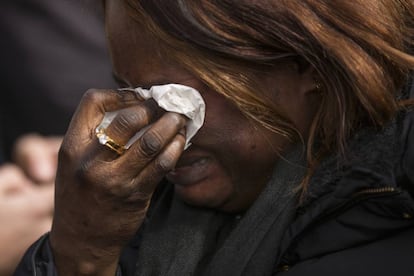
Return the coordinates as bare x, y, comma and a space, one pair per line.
108, 141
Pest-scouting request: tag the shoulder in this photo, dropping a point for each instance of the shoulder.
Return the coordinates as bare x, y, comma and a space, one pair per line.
393, 255
405, 170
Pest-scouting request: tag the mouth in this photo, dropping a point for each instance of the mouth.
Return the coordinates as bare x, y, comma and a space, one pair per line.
190, 162
190, 169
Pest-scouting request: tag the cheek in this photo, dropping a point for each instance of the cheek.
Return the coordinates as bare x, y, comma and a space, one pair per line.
231, 132
255, 149
222, 115
239, 145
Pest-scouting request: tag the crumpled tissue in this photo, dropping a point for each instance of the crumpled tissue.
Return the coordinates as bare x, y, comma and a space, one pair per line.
170, 97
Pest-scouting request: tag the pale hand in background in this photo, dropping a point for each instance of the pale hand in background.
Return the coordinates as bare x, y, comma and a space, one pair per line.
25, 214
37, 156
26, 197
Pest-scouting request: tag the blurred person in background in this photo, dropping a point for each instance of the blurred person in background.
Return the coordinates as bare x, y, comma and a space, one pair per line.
51, 51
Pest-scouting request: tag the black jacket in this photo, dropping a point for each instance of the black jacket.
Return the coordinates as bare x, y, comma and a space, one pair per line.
363, 220
357, 220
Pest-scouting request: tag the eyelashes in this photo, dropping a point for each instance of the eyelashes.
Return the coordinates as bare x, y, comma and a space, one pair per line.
123, 84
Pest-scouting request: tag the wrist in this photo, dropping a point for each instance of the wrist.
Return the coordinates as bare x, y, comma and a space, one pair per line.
80, 257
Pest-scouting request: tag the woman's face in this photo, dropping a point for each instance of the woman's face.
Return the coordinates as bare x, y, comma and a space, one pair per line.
230, 159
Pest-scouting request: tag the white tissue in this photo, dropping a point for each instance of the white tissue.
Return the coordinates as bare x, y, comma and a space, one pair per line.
170, 97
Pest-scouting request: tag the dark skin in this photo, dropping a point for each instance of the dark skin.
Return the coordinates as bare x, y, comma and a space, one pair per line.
102, 198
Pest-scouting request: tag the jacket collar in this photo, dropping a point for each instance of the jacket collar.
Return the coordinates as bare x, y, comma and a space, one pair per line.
358, 200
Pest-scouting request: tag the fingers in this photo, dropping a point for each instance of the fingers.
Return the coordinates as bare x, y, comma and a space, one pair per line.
32, 202
24, 217
89, 114
146, 182
157, 151
152, 143
19, 194
139, 168
37, 156
43, 200
155, 139
130, 120
12, 179
148, 159
127, 123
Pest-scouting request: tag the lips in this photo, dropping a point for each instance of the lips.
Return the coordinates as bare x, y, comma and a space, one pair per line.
190, 161
190, 169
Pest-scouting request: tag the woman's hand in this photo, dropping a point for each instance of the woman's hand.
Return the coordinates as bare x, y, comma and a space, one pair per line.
102, 197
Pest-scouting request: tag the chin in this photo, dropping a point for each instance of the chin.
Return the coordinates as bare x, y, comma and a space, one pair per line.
198, 198
207, 200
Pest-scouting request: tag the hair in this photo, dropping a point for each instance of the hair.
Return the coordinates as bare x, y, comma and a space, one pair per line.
360, 50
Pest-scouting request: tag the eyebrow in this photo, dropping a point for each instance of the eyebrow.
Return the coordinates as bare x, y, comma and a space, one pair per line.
124, 84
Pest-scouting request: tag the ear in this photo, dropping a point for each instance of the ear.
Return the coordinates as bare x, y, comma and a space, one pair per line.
306, 96
309, 79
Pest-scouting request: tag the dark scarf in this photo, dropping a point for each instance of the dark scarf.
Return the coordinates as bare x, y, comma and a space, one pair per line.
182, 240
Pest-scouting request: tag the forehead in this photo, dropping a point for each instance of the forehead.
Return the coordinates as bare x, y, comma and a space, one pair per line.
136, 54
130, 46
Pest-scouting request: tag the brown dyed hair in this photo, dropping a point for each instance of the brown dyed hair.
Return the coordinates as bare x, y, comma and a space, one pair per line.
360, 49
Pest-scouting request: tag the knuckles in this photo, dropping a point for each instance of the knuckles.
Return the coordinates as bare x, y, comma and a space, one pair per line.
153, 141
93, 96
66, 153
127, 119
150, 144
85, 173
104, 184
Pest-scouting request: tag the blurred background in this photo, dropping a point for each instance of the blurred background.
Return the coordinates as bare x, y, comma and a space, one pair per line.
51, 52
